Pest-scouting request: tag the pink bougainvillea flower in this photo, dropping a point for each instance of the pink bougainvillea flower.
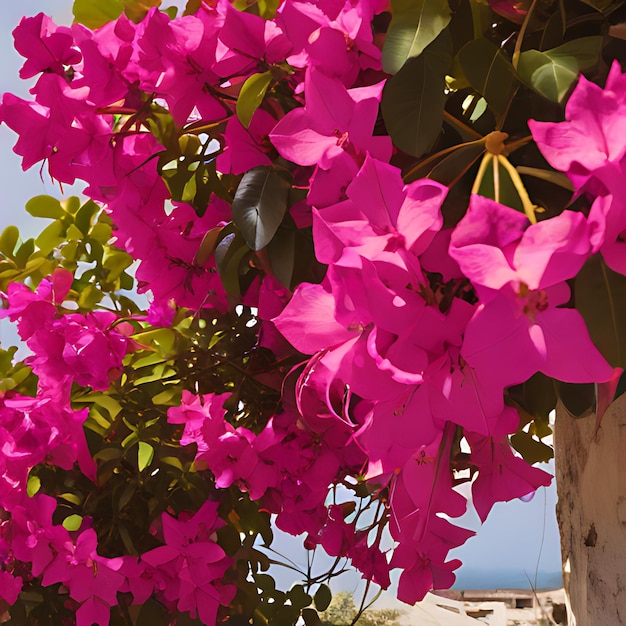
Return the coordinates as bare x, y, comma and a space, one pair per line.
502, 476
247, 41
381, 214
202, 416
193, 561
514, 10
317, 133
10, 587
519, 272
590, 144
246, 148
336, 38
45, 46
44, 133
496, 246
607, 219
91, 579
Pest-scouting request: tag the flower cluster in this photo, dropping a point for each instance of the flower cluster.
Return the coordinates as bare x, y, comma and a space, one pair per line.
403, 352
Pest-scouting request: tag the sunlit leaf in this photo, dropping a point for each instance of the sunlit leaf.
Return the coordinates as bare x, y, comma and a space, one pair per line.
8, 240
251, 95
72, 522
414, 25
551, 73
33, 485
45, 206
96, 13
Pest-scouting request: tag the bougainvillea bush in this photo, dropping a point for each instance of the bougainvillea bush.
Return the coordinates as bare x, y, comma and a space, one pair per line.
378, 241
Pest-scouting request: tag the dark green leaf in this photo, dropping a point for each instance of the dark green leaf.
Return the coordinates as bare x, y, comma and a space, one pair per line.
454, 165
322, 598
531, 449
299, 597
600, 296
604, 6
282, 254
579, 400
152, 613
414, 25
538, 396
489, 72
311, 618
414, 98
251, 95
229, 253
45, 206
259, 205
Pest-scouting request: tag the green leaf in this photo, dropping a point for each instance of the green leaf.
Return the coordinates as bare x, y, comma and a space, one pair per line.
96, 13
577, 399
311, 618
414, 25
136, 10
33, 485
531, 449
413, 99
282, 253
51, 236
89, 297
551, 73
259, 205
267, 8
322, 598
72, 522
603, 6
549, 77
144, 455
600, 296
298, 596
586, 51
455, 164
251, 95
45, 206
489, 72
8, 240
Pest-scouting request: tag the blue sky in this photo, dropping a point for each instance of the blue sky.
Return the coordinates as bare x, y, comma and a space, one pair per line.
519, 537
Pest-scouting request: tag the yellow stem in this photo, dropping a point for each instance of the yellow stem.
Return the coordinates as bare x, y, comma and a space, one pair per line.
529, 207
496, 178
481, 172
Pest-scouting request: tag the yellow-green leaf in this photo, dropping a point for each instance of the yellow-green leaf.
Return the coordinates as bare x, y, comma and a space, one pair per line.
45, 206
251, 96
144, 455
72, 522
33, 485
96, 13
